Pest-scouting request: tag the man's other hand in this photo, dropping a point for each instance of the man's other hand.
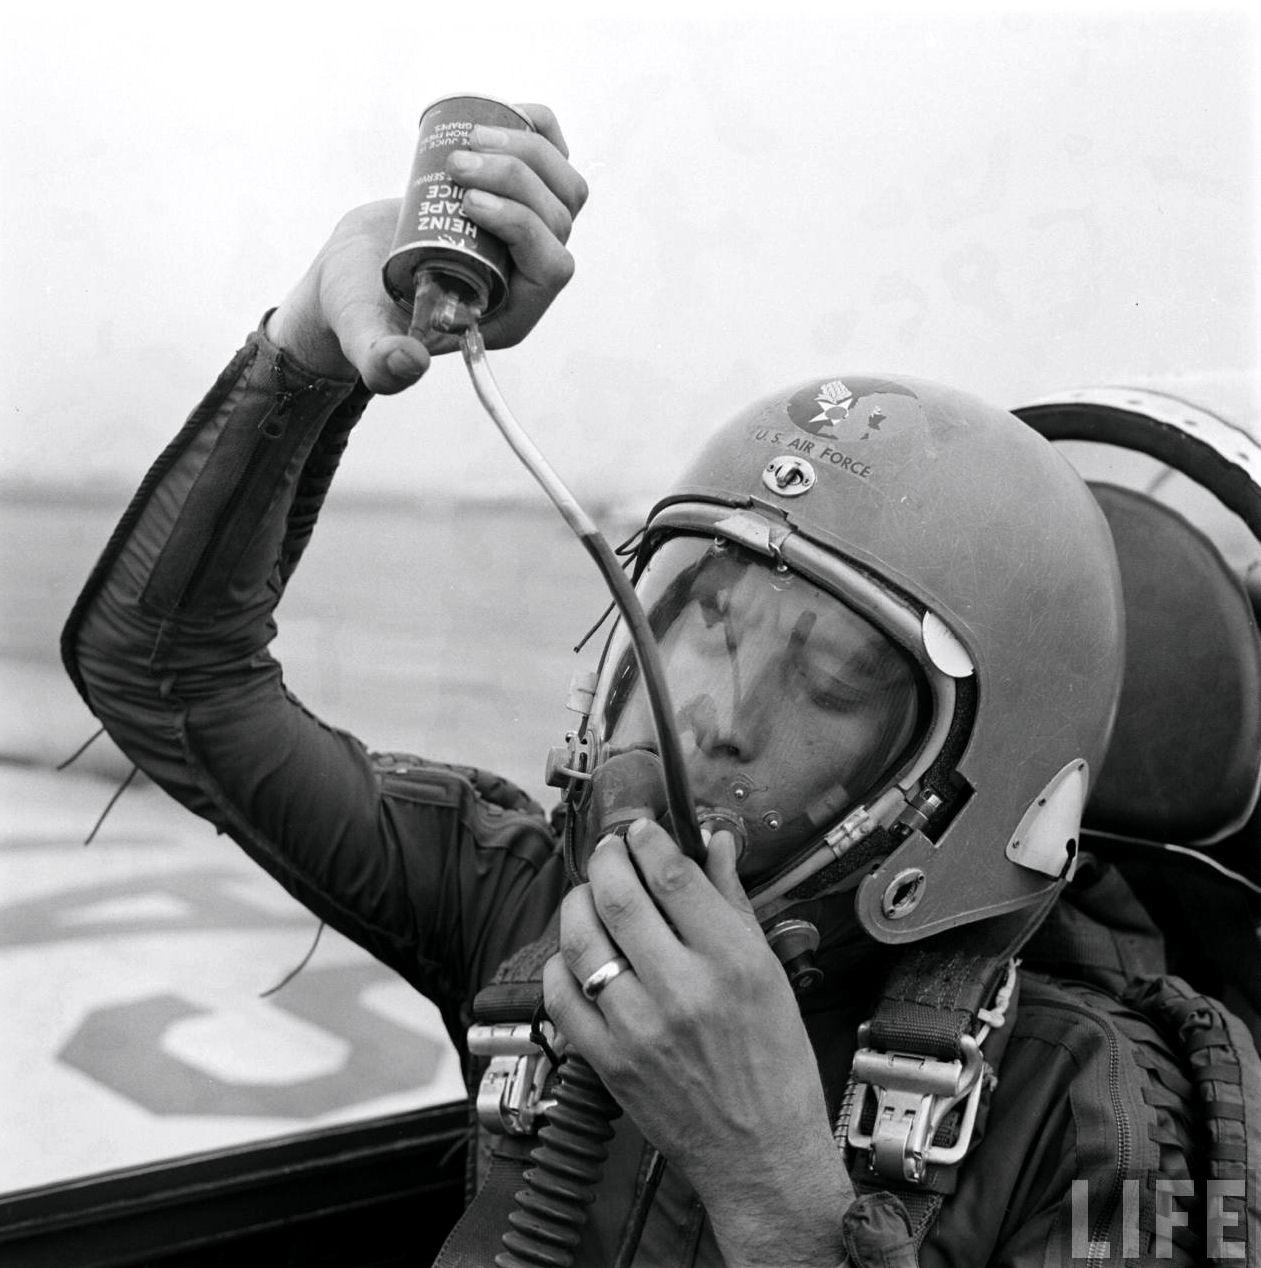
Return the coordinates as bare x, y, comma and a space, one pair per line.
702, 1043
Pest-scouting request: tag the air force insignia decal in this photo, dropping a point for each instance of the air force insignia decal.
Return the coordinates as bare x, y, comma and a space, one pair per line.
834, 410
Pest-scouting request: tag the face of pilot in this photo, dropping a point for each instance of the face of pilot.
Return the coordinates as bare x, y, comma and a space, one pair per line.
789, 705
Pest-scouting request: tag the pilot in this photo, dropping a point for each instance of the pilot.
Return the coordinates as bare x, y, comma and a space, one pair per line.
893, 677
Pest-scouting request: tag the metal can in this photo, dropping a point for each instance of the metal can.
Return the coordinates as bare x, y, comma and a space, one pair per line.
433, 235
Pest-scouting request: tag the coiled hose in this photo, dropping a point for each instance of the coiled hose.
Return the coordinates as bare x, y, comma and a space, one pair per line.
552, 1208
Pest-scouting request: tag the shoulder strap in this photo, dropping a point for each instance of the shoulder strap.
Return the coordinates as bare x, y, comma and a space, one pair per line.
516, 990
513, 997
477, 1237
919, 1091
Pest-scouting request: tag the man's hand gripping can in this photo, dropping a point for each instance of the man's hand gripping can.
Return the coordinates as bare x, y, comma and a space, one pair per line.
433, 237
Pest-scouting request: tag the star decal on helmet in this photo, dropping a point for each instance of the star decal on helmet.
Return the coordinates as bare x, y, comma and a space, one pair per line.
832, 410
833, 400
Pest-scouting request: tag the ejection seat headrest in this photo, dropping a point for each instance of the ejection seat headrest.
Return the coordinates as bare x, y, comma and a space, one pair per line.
1184, 766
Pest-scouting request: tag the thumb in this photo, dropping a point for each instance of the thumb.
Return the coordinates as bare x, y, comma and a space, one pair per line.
351, 303
386, 360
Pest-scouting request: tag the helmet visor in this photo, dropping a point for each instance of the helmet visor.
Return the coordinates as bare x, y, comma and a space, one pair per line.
791, 708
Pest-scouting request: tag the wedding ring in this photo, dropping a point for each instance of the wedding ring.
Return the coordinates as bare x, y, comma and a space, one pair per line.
598, 980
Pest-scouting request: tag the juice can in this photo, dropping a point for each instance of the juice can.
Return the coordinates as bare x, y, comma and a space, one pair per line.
433, 235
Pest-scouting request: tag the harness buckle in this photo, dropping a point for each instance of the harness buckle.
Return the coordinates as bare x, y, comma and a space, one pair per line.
913, 1096
510, 1099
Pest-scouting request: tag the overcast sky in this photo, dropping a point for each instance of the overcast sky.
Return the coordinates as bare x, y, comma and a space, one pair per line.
1012, 202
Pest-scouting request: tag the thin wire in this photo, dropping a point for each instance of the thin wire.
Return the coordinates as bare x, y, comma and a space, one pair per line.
1228, 872
306, 959
639, 1213
590, 634
83, 748
627, 551
1161, 478
113, 801
631, 545
1195, 856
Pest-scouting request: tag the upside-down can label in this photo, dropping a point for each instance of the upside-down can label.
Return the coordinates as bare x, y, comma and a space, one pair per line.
433, 233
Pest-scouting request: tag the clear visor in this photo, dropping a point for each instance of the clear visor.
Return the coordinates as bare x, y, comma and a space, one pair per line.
791, 708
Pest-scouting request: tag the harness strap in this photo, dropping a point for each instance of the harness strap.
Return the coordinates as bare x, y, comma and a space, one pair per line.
497, 1162
516, 990
478, 1234
922, 1207
920, 1054
937, 988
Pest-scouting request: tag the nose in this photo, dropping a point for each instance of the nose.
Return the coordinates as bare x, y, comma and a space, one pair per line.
713, 736
734, 725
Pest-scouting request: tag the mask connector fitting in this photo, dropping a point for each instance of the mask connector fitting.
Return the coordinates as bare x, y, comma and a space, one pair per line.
795, 943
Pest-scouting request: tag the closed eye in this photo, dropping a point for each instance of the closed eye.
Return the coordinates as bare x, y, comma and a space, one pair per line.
830, 692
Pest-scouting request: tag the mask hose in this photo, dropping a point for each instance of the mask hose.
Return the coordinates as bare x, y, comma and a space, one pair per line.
568, 1163
552, 1208
678, 792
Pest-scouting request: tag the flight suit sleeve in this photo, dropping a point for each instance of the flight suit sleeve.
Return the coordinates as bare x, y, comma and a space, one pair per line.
168, 644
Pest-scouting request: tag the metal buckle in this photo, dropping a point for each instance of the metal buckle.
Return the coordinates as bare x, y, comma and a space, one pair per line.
510, 1099
913, 1096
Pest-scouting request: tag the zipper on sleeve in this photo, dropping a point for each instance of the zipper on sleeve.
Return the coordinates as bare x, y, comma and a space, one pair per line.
243, 476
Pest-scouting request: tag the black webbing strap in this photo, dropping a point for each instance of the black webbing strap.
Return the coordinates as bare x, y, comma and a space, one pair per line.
513, 995
922, 1206
478, 1234
936, 988
516, 990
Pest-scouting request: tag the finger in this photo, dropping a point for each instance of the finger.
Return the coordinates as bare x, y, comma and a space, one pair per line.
543, 265
508, 176
545, 122
576, 1017
721, 867
538, 153
585, 944
633, 920
540, 257
703, 916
